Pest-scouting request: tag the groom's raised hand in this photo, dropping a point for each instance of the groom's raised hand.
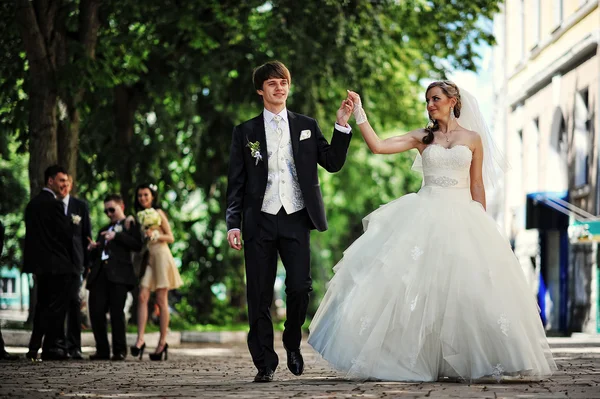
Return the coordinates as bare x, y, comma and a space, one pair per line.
344, 113
234, 238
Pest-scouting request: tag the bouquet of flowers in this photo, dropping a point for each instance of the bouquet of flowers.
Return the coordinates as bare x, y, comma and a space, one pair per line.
149, 218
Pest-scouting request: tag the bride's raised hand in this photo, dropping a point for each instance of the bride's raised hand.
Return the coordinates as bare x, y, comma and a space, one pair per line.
352, 95
344, 112
359, 112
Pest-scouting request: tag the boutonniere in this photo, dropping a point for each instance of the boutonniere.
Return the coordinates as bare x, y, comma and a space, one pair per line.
76, 219
255, 150
118, 228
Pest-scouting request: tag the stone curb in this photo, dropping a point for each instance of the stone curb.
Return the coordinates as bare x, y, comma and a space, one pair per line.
174, 338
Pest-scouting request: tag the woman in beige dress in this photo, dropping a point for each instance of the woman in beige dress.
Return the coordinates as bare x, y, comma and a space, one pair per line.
160, 275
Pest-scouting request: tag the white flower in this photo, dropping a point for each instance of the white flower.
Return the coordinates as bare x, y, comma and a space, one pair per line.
118, 228
504, 324
149, 218
255, 150
76, 219
416, 252
413, 304
497, 372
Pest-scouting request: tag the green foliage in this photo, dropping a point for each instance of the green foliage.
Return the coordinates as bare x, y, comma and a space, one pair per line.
171, 79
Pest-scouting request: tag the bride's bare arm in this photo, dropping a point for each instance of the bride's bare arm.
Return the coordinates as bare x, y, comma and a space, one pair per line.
476, 173
392, 145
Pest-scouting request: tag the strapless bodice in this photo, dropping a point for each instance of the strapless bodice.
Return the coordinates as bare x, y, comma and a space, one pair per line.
447, 167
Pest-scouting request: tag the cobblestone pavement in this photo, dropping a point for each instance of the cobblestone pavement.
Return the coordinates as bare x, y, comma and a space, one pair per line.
225, 371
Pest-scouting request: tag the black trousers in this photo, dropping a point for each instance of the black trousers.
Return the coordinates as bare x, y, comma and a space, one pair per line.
107, 296
288, 235
73, 342
54, 295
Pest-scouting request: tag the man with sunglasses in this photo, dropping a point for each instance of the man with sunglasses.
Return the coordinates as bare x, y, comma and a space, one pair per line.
111, 277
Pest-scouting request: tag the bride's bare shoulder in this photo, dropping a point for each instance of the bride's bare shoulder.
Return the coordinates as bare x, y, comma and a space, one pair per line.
473, 137
418, 135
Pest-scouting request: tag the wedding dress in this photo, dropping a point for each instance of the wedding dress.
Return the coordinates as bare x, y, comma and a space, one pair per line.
431, 289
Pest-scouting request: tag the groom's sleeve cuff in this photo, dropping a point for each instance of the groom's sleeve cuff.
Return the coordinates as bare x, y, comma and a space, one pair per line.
234, 229
343, 129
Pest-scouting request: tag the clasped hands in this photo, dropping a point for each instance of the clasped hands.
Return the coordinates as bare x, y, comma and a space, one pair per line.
351, 105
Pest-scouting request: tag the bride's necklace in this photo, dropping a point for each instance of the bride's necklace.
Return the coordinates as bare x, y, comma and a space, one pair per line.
447, 133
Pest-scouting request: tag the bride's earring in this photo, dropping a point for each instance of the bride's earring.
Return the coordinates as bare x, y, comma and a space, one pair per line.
451, 113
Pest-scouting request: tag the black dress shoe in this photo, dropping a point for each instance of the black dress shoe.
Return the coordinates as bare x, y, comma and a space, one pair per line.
118, 357
33, 356
295, 362
265, 375
99, 356
55, 354
4, 355
76, 355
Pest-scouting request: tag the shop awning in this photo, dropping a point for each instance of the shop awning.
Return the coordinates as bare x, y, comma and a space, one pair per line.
552, 210
547, 210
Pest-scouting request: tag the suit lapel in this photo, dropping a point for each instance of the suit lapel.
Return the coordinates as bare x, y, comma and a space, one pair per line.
70, 206
294, 133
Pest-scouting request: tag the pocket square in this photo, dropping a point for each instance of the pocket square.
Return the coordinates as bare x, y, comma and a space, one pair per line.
305, 134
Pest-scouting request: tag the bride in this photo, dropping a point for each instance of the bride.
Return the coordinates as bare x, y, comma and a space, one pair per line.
432, 288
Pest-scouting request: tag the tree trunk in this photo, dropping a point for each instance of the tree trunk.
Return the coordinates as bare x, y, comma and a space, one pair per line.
126, 103
36, 26
70, 121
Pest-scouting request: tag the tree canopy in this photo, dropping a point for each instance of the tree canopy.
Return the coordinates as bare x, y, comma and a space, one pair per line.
125, 92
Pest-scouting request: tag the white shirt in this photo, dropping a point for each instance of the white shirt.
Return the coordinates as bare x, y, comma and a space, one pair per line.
65, 202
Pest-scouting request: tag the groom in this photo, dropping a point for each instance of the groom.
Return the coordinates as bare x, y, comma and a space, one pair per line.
273, 196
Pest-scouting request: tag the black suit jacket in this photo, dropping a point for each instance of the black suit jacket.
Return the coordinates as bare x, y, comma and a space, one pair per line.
48, 237
81, 231
247, 181
118, 267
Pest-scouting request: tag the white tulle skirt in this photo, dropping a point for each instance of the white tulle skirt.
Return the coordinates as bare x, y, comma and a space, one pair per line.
430, 290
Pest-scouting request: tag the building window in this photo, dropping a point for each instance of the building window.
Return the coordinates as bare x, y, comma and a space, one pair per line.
8, 285
582, 139
558, 13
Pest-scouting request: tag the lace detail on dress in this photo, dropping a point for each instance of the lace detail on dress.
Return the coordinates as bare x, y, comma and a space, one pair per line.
444, 181
365, 322
416, 252
504, 324
413, 304
455, 158
498, 372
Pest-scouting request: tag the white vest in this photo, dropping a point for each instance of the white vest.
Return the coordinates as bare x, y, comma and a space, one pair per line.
283, 188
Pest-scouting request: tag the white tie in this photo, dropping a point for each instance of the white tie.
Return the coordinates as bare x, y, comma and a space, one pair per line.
278, 128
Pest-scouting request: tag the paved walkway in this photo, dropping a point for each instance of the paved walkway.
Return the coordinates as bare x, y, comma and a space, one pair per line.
225, 371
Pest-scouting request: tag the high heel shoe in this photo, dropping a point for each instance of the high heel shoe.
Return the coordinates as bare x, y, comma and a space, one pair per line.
137, 352
159, 355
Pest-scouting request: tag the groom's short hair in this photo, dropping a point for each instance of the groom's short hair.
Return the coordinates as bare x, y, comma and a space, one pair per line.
114, 197
270, 70
52, 171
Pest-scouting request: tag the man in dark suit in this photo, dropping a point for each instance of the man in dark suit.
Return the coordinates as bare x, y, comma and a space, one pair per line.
274, 198
4, 355
111, 277
48, 254
78, 213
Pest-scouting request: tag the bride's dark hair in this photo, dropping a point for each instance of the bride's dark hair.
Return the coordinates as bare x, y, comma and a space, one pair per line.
451, 90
